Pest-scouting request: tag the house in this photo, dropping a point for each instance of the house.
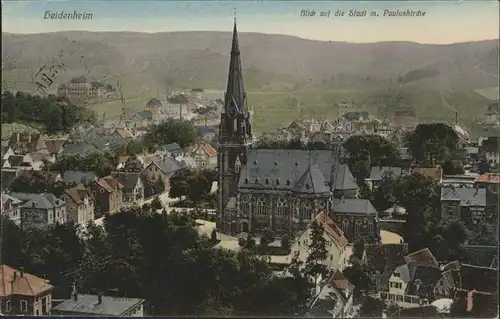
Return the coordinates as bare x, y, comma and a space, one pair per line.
55, 147
133, 189
458, 181
334, 300
141, 119
99, 305
11, 208
405, 117
7, 152
159, 173
78, 148
108, 195
463, 203
377, 173
380, 261
357, 218
489, 149
434, 173
154, 102
492, 113
79, 205
122, 132
78, 177
336, 243
24, 294
418, 282
477, 292
41, 210
27, 143
173, 149
206, 133
204, 155
479, 255
19, 162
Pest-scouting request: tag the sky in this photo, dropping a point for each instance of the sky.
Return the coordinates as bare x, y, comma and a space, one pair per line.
444, 21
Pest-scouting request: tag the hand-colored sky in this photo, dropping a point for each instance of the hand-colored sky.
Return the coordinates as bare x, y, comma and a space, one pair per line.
444, 22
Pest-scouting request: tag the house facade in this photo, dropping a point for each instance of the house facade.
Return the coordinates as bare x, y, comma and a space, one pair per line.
336, 243
41, 210
463, 203
133, 188
24, 294
11, 208
158, 173
205, 156
79, 205
108, 195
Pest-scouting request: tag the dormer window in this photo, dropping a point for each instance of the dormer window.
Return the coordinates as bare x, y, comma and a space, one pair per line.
296, 163
307, 186
276, 163
267, 181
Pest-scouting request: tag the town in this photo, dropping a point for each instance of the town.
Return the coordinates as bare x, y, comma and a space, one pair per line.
181, 210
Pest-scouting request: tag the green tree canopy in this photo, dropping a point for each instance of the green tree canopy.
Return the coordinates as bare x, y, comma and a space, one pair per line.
177, 131
431, 144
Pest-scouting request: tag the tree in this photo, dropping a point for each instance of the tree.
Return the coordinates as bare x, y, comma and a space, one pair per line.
266, 239
213, 236
450, 169
431, 144
37, 182
133, 164
156, 203
101, 164
171, 131
382, 197
317, 253
195, 184
372, 307
285, 242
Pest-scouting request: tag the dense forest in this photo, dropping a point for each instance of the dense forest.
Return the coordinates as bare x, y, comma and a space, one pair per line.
53, 114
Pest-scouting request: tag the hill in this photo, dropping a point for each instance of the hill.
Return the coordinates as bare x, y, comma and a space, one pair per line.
201, 58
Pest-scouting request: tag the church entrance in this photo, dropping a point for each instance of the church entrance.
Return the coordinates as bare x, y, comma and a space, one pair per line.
244, 227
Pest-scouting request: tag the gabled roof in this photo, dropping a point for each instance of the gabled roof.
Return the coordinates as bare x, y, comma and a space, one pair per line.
332, 229
25, 142
7, 197
78, 177
77, 194
127, 179
479, 255
54, 146
311, 182
41, 201
493, 178
172, 147
123, 132
378, 172
483, 279
79, 148
423, 257
109, 183
168, 165
466, 195
143, 115
25, 285
207, 149
109, 306
422, 280
380, 257
354, 206
154, 102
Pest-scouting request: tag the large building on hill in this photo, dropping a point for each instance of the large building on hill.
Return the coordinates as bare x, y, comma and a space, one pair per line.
275, 188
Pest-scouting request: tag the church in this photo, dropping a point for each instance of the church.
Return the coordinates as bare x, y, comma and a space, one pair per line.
279, 189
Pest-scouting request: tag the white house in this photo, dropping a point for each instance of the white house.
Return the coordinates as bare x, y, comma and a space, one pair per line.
335, 240
11, 208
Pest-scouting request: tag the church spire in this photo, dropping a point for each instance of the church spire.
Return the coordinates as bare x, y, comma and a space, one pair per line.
235, 90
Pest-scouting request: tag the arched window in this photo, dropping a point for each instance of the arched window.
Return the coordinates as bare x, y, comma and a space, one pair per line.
281, 207
345, 225
358, 227
261, 206
370, 226
305, 211
245, 205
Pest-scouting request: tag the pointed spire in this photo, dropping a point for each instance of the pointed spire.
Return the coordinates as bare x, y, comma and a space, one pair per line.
235, 89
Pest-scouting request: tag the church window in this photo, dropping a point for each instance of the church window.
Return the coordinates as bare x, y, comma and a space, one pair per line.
246, 180
305, 211
245, 205
322, 204
345, 225
261, 206
281, 207
358, 226
370, 226
276, 163
278, 181
256, 181
267, 181
307, 186
288, 182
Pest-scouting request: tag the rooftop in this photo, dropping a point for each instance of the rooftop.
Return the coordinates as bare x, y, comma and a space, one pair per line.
16, 282
88, 304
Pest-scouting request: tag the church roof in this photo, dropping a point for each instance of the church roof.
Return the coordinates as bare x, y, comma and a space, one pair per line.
353, 206
287, 170
312, 182
235, 92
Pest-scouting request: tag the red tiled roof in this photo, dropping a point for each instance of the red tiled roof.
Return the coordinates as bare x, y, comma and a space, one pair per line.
109, 183
432, 172
332, 229
209, 150
493, 178
123, 159
423, 257
77, 194
25, 285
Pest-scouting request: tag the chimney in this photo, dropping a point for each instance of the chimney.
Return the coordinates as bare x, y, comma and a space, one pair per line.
470, 300
99, 298
21, 269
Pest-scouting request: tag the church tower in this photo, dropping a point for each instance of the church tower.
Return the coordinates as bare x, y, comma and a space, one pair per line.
235, 136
